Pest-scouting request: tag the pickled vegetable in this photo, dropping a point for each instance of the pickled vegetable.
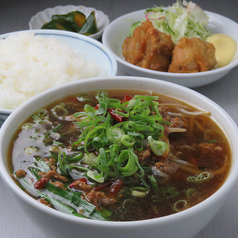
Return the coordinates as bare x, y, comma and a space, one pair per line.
61, 24
75, 17
90, 25
74, 21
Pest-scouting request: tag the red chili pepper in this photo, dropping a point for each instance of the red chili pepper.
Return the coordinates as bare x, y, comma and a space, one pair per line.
115, 188
114, 115
40, 183
111, 111
97, 106
101, 187
71, 185
126, 98
81, 179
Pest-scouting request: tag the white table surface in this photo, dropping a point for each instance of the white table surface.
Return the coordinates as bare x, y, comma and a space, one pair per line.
14, 15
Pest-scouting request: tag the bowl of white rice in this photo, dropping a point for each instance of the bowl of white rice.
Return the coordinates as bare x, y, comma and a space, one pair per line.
33, 61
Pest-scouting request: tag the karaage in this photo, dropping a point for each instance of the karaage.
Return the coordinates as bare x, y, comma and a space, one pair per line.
148, 48
192, 55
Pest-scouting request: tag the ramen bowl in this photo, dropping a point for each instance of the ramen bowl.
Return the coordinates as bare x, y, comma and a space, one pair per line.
184, 224
118, 30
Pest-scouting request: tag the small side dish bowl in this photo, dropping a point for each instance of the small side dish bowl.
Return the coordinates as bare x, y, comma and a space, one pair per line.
91, 49
118, 31
42, 17
184, 224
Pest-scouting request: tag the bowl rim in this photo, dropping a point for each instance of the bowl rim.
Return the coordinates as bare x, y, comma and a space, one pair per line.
105, 40
103, 48
219, 194
98, 34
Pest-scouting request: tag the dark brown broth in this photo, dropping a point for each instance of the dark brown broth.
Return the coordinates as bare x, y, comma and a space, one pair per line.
190, 146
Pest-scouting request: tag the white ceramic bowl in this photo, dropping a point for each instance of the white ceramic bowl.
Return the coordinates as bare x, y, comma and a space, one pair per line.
53, 223
88, 47
42, 17
118, 30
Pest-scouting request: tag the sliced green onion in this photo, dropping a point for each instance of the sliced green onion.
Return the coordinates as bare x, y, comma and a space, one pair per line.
132, 103
55, 148
59, 144
86, 123
127, 140
94, 132
121, 113
136, 135
180, 205
37, 157
190, 192
27, 126
144, 182
202, 177
95, 176
158, 147
44, 166
115, 134
90, 159
114, 152
75, 158
62, 163
115, 143
104, 162
79, 168
127, 158
57, 128
146, 97
42, 112
154, 183
31, 150
114, 103
88, 108
139, 192
113, 172
59, 111
36, 119
97, 142
80, 114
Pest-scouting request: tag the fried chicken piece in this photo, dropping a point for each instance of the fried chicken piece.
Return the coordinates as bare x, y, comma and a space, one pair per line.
148, 48
192, 55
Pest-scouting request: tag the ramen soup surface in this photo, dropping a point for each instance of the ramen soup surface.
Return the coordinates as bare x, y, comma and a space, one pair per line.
120, 155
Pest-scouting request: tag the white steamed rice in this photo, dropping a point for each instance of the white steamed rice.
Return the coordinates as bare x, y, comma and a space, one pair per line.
30, 64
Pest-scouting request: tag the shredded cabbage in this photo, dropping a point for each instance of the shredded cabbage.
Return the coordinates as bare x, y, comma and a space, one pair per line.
185, 19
